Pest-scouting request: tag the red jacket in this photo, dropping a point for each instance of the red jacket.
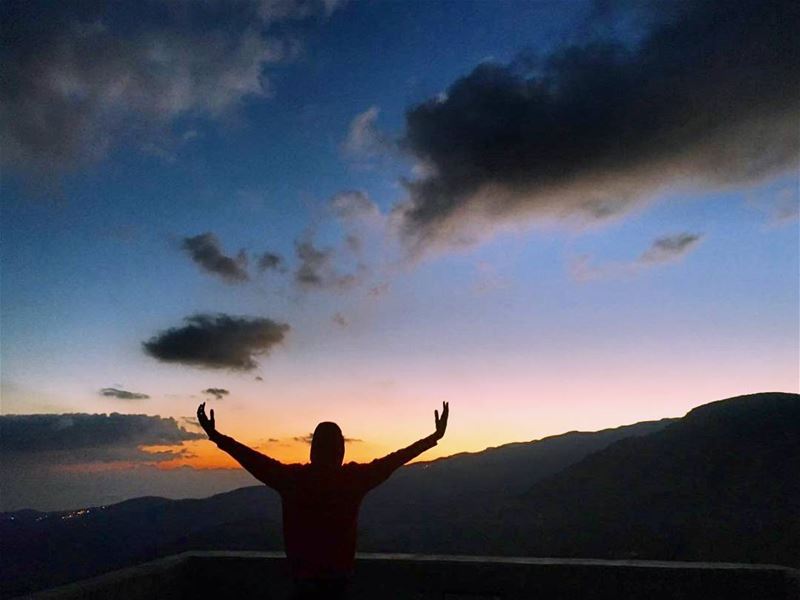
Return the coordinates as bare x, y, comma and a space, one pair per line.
320, 504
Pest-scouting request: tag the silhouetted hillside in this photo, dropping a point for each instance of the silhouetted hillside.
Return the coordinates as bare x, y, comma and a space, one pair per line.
719, 484
432, 507
723, 483
50, 548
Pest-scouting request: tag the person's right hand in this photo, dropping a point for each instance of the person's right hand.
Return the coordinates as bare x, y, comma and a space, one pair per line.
207, 424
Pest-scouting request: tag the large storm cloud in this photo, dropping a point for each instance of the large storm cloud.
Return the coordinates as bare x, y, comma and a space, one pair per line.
709, 96
217, 341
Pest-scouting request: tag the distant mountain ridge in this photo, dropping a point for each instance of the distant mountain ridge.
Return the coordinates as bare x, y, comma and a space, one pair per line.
722, 483
718, 484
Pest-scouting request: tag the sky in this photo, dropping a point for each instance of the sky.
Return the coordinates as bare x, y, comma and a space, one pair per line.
555, 216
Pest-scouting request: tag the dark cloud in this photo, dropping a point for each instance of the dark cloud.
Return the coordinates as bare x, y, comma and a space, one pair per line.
83, 77
670, 248
85, 437
217, 341
340, 320
206, 252
662, 250
218, 393
708, 96
270, 261
122, 394
316, 269
259, 378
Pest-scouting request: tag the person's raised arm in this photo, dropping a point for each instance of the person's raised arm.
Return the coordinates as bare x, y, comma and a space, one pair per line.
262, 467
380, 469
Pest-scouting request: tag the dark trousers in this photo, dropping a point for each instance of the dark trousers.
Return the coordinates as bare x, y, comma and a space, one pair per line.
319, 589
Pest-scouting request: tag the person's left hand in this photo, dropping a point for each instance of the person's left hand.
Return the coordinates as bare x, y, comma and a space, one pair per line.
207, 424
441, 422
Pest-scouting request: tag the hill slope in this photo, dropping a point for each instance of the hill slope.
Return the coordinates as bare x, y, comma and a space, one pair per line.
723, 483
719, 484
44, 549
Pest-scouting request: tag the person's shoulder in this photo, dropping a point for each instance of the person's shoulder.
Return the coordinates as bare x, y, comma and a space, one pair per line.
355, 468
294, 468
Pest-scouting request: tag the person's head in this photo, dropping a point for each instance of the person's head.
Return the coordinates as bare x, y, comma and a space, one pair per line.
327, 445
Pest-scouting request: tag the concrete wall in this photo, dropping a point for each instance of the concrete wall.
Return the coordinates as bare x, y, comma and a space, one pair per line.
241, 575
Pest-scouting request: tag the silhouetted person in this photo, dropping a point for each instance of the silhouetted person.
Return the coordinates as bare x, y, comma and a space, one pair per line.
321, 499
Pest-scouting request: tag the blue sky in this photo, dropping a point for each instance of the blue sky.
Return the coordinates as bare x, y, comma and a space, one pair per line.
553, 315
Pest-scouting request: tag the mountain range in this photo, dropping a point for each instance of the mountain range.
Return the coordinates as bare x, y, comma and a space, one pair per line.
721, 483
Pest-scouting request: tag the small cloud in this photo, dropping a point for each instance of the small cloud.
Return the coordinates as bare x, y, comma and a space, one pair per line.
663, 250
364, 140
217, 341
273, 440
340, 320
780, 209
191, 422
269, 261
317, 270
111, 392
218, 393
353, 204
259, 378
669, 248
379, 290
205, 251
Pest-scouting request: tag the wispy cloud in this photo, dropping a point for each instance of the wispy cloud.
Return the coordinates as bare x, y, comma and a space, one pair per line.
206, 252
122, 394
663, 250
317, 269
218, 393
364, 140
269, 261
670, 248
81, 78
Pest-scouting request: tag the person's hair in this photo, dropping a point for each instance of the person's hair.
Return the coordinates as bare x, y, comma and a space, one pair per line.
327, 445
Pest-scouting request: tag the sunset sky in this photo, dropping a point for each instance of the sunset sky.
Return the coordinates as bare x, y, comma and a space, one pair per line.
553, 215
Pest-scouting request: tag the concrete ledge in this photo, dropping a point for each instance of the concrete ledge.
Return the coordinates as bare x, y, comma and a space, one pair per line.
264, 575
